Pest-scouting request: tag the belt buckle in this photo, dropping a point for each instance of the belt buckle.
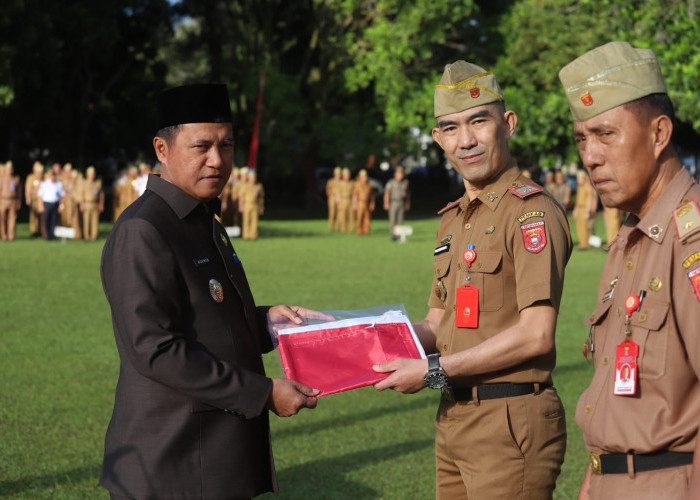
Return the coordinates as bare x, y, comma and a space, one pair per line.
596, 466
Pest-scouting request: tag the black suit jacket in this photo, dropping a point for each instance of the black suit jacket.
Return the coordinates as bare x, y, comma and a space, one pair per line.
189, 416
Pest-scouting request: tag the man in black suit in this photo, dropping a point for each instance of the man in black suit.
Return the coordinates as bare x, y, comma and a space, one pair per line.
191, 407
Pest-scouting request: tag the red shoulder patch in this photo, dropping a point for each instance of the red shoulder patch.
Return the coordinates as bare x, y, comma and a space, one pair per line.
534, 236
448, 206
525, 190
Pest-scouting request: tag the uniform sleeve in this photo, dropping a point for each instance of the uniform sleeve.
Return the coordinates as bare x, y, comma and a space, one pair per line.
541, 247
685, 297
148, 301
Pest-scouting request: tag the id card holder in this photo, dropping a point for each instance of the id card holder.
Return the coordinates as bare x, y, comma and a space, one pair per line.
626, 368
467, 307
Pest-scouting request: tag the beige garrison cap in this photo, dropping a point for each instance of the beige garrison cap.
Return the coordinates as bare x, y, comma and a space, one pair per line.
463, 86
608, 76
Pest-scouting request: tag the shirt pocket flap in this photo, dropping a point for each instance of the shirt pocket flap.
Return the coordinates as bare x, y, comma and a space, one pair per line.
487, 262
598, 314
442, 264
652, 314
199, 407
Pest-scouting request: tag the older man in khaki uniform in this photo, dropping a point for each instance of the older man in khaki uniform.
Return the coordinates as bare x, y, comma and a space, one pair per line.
252, 201
584, 209
363, 200
344, 196
31, 198
498, 275
332, 197
92, 203
10, 201
641, 431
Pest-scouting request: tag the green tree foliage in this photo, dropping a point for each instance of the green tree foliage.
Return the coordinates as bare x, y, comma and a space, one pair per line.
346, 79
544, 35
79, 73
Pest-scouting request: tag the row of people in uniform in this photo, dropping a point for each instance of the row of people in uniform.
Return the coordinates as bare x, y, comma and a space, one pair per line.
583, 204
243, 202
58, 195
351, 203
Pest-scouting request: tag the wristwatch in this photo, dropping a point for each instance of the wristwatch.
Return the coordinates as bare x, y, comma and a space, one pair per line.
435, 377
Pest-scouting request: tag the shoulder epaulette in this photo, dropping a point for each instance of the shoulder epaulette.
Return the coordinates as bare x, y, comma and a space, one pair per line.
687, 218
525, 190
448, 206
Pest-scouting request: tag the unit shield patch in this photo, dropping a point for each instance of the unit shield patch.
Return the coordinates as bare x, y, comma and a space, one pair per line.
534, 236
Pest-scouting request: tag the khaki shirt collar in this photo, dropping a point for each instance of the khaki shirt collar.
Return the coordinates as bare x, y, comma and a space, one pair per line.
492, 194
658, 220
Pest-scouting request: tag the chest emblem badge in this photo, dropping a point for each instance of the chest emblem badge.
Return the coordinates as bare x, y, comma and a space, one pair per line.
216, 290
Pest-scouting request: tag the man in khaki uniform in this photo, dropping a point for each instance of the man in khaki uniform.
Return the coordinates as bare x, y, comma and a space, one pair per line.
613, 218
236, 195
584, 208
501, 430
363, 199
331, 194
641, 439
560, 190
92, 204
344, 197
228, 206
71, 201
10, 201
31, 198
397, 199
252, 197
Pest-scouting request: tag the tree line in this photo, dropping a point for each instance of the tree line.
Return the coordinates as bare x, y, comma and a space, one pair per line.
345, 79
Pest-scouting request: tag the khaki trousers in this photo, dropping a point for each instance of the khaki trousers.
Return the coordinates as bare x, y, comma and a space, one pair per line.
363, 219
91, 218
332, 213
582, 231
250, 223
345, 223
500, 448
8, 218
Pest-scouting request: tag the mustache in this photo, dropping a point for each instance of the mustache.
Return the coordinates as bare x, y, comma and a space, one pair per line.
471, 152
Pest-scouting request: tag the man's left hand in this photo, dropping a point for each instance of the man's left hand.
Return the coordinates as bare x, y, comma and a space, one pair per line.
283, 316
407, 377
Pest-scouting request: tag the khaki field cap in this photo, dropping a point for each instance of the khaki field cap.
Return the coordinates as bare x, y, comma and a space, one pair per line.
608, 76
463, 86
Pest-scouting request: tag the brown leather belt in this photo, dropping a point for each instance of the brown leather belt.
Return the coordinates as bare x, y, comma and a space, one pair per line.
616, 463
495, 391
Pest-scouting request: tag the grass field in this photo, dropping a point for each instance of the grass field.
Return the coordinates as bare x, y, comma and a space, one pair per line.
59, 363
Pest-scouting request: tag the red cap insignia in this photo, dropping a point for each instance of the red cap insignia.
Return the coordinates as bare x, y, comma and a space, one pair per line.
474, 92
587, 99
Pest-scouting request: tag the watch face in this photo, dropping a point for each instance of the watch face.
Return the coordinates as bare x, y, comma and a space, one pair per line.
435, 380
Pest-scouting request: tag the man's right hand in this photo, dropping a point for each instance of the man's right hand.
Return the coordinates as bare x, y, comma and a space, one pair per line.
288, 397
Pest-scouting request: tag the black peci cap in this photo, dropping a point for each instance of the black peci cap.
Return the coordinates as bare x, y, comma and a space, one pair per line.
197, 103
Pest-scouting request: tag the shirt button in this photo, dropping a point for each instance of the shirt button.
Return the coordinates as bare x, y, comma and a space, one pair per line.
587, 409
606, 360
619, 311
467, 226
439, 270
629, 265
444, 348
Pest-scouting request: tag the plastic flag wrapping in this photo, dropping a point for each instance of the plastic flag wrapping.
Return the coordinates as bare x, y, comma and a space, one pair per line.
337, 356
